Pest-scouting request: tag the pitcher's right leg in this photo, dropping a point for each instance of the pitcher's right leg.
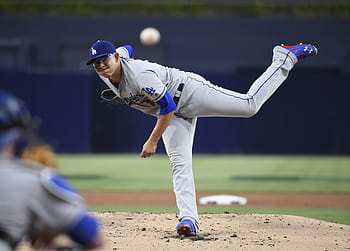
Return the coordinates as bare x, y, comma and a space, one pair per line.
213, 101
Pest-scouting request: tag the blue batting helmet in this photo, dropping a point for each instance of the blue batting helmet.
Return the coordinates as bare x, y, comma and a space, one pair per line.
14, 117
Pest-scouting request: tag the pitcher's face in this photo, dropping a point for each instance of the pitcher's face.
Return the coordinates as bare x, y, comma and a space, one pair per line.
107, 65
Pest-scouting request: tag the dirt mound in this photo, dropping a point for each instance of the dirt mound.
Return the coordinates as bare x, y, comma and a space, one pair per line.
154, 231
150, 231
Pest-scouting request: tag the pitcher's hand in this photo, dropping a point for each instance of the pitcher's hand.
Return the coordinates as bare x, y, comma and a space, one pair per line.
149, 149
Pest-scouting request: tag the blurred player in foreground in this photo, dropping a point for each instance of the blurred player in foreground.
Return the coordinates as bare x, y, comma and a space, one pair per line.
177, 99
36, 204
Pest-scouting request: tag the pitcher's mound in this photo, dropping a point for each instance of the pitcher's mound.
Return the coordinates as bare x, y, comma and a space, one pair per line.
151, 231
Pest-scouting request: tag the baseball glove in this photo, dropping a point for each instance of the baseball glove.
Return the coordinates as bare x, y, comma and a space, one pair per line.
109, 96
42, 154
38, 150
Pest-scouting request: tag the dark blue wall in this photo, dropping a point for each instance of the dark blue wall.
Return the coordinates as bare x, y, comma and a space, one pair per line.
42, 61
62, 102
216, 44
309, 114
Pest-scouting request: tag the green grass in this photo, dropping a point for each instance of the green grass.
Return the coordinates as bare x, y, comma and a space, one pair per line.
337, 215
176, 8
215, 173
235, 173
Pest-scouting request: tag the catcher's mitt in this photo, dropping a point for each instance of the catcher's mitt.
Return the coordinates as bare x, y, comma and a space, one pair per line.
42, 154
38, 150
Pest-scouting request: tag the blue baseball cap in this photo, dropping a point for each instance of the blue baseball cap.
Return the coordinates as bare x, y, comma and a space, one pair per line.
100, 49
14, 118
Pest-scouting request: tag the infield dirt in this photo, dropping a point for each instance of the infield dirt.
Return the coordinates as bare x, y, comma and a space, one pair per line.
154, 231
146, 231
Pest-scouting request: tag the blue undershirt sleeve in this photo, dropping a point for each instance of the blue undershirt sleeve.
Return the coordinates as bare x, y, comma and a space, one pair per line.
85, 230
166, 104
130, 50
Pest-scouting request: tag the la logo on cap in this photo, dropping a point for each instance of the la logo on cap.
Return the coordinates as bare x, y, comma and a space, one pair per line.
93, 51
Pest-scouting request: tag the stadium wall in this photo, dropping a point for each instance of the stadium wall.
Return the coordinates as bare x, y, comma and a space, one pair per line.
43, 63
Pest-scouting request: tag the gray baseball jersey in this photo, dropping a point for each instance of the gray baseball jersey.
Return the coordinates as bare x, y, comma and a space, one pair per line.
144, 83
29, 195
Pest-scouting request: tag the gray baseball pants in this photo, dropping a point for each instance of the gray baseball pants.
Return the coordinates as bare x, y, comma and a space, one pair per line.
208, 100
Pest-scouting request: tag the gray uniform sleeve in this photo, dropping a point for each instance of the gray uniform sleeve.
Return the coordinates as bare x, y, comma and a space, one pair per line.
123, 52
29, 198
54, 206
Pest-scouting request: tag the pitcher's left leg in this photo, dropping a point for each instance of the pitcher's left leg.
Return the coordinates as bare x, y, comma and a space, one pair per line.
178, 140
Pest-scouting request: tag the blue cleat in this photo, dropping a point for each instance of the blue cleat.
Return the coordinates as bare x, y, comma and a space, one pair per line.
187, 228
301, 50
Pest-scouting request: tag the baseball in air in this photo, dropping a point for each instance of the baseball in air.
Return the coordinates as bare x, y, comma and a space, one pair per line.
149, 36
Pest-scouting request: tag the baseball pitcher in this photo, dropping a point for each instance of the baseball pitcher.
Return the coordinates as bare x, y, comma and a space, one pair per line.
177, 98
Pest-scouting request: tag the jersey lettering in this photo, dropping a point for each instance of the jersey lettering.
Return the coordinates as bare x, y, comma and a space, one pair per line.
149, 90
133, 98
